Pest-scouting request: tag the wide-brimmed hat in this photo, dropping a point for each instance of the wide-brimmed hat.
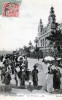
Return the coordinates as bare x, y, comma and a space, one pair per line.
35, 66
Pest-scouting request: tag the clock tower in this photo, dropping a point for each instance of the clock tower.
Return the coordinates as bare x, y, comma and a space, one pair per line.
52, 16
52, 19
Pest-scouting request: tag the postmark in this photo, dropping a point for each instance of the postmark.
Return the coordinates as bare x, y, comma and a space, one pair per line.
10, 9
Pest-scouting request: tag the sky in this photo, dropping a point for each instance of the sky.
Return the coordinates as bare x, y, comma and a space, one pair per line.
17, 32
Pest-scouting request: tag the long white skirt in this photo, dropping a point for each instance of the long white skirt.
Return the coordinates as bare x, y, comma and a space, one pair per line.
49, 82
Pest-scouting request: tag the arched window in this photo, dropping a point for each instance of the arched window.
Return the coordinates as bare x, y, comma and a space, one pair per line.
43, 42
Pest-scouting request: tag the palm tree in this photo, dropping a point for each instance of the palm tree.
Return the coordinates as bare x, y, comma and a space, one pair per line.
55, 39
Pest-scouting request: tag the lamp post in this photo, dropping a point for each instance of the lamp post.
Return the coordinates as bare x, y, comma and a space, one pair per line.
36, 41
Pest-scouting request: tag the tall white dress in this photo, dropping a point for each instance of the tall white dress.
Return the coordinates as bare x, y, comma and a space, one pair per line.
49, 82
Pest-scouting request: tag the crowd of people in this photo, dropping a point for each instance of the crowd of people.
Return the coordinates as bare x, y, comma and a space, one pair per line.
18, 65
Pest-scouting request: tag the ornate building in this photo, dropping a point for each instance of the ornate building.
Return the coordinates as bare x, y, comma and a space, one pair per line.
43, 32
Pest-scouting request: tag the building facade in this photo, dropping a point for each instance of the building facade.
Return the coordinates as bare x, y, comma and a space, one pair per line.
44, 32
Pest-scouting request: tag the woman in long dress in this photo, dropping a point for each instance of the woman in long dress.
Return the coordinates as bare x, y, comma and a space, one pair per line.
56, 76
49, 79
35, 75
17, 79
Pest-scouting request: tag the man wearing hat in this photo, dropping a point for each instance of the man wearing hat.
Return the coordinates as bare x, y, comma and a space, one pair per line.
35, 75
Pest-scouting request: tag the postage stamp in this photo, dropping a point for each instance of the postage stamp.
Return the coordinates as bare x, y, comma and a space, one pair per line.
10, 9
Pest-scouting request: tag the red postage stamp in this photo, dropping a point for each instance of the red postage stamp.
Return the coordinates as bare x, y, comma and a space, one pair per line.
10, 9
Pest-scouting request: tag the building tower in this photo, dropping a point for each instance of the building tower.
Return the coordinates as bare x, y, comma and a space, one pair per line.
44, 32
52, 16
52, 20
40, 28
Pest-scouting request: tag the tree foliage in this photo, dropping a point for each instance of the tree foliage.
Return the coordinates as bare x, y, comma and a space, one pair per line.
55, 39
26, 49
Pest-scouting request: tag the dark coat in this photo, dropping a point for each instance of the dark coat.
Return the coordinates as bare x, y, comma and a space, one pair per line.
56, 79
35, 77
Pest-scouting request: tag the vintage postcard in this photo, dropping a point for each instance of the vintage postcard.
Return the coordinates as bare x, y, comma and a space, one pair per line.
31, 49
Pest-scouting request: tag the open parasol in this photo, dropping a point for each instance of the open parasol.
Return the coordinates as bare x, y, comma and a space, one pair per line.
39, 66
49, 59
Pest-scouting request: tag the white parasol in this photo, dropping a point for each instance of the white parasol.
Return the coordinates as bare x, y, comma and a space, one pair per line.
39, 66
49, 58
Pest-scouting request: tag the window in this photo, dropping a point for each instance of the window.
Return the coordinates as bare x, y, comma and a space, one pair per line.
41, 29
43, 42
